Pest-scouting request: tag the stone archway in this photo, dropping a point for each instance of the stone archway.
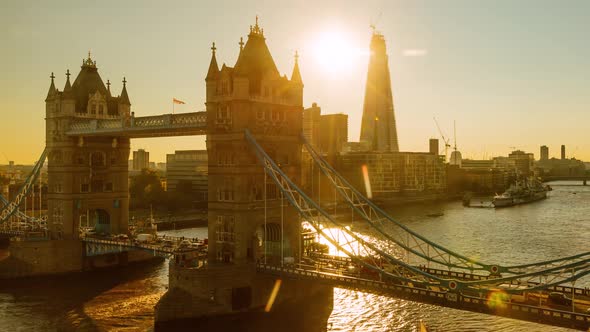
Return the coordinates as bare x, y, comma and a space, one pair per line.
102, 221
268, 244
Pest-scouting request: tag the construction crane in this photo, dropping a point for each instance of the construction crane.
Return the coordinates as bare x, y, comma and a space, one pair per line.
445, 140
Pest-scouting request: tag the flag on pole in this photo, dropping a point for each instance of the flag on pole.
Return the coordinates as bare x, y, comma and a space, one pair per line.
176, 101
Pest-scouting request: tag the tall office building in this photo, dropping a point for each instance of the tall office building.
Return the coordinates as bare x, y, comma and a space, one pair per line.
378, 124
563, 152
311, 124
433, 146
188, 167
544, 152
333, 132
141, 160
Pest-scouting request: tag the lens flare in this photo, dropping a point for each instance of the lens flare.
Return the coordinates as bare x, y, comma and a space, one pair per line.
273, 295
367, 182
497, 299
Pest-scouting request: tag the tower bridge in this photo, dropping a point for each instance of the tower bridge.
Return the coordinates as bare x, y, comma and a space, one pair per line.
253, 123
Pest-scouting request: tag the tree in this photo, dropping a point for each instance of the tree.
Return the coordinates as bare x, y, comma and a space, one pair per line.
146, 189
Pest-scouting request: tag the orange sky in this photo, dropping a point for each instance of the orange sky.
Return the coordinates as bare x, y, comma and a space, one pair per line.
515, 75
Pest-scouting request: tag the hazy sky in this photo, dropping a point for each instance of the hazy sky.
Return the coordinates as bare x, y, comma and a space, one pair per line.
511, 73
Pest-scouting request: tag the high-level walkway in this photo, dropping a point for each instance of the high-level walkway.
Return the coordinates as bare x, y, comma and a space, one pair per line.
167, 125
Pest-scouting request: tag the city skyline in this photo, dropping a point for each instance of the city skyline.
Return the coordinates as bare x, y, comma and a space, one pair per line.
522, 68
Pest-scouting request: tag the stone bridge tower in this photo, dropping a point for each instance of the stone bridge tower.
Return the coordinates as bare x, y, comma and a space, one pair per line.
87, 175
251, 95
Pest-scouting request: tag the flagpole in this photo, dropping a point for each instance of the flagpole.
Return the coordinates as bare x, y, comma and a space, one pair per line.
173, 106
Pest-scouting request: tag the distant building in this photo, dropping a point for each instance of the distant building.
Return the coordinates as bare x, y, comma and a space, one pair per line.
560, 167
522, 161
433, 146
378, 126
188, 171
333, 132
141, 160
563, 152
394, 175
311, 124
480, 176
477, 177
356, 147
161, 166
544, 152
472, 164
456, 158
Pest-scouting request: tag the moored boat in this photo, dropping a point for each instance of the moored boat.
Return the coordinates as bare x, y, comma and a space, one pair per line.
521, 192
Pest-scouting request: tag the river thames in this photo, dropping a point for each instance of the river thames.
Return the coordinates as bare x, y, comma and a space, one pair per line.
123, 299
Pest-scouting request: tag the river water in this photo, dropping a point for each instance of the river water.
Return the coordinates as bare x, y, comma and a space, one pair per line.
123, 299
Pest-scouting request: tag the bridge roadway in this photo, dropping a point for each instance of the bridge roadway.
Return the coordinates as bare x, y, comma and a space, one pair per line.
533, 306
161, 245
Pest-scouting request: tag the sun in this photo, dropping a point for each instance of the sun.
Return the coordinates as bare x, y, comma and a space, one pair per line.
334, 51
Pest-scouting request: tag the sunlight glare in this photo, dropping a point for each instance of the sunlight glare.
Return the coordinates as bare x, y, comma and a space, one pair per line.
333, 51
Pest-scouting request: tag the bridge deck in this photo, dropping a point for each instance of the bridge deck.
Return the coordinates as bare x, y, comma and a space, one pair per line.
502, 306
161, 246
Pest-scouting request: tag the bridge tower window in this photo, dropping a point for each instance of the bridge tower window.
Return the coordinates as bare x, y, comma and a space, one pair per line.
97, 159
223, 114
96, 186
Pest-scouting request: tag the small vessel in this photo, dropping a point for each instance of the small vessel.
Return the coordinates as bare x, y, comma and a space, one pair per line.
435, 214
521, 192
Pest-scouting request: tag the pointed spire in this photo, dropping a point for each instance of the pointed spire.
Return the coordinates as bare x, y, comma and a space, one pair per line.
213, 67
241, 44
124, 98
52, 90
256, 30
68, 86
296, 76
109, 87
88, 62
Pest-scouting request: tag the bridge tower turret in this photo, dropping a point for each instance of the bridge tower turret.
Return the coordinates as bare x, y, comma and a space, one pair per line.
87, 175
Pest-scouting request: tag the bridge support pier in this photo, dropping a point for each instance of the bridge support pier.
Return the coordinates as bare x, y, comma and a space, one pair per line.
228, 297
584, 182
